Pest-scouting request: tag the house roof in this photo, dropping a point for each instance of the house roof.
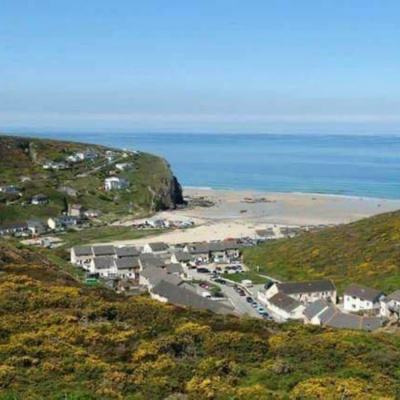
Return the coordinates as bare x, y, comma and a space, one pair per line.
158, 246
83, 251
264, 232
183, 256
13, 225
334, 318
284, 302
127, 262
323, 285
201, 248
362, 292
103, 250
147, 260
127, 251
184, 297
216, 246
174, 268
315, 308
103, 262
394, 296
156, 275
231, 245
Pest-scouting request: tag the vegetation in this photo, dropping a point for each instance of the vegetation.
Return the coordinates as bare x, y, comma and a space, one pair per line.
365, 252
60, 339
152, 185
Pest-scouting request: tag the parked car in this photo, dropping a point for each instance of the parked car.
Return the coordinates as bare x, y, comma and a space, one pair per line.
220, 280
203, 270
260, 310
249, 299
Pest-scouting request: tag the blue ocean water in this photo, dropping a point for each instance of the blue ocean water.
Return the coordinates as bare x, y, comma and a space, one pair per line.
365, 166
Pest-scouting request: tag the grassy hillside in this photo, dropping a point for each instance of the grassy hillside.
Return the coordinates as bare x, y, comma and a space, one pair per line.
61, 340
366, 252
152, 184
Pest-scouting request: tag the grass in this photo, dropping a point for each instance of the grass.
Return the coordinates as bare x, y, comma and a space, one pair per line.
365, 252
105, 234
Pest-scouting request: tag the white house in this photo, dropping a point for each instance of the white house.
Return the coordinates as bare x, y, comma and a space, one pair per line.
390, 305
358, 298
104, 266
284, 306
305, 292
82, 256
114, 183
156, 248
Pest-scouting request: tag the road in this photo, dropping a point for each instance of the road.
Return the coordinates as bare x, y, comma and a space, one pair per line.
238, 302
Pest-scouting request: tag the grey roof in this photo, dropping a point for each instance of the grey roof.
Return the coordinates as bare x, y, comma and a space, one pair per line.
127, 262
231, 245
184, 297
201, 248
83, 250
183, 256
127, 251
103, 250
147, 260
315, 308
217, 246
174, 268
156, 275
159, 246
323, 285
362, 292
334, 318
394, 296
284, 302
264, 232
103, 262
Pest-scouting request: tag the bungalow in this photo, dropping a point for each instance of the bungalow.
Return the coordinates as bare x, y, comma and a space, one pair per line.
305, 292
167, 292
181, 258
285, 307
75, 210
390, 305
13, 228
62, 222
332, 317
82, 256
104, 266
150, 260
151, 276
103, 251
114, 183
358, 298
36, 227
156, 248
128, 267
39, 199
127, 251
200, 252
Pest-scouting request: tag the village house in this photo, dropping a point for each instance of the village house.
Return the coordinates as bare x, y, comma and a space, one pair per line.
358, 298
104, 266
200, 252
127, 251
181, 258
167, 292
217, 251
305, 292
103, 251
127, 267
265, 234
157, 248
175, 269
284, 306
150, 260
76, 210
390, 305
151, 276
114, 183
13, 229
313, 310
61, 223
36, 227
81, 256
39, 199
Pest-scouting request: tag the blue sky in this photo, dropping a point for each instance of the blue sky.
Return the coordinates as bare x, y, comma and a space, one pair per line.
200, 66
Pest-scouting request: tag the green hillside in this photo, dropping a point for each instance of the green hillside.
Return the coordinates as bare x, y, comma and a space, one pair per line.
62, 340
365, 252
152, 185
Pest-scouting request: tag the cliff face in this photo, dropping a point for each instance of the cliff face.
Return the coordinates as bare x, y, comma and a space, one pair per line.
152, 185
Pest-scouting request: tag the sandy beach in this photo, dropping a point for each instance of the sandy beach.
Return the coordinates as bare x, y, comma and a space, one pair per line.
238, 214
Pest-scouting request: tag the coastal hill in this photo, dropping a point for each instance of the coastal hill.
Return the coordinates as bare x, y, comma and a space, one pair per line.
61, 339
67, 173
365, 252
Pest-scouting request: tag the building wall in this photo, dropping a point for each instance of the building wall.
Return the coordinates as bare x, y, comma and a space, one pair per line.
355, 304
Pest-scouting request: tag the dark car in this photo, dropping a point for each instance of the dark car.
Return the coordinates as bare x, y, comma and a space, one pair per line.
203, 270
249, 299
221, 281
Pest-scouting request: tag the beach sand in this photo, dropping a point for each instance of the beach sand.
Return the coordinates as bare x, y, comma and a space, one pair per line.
238, 214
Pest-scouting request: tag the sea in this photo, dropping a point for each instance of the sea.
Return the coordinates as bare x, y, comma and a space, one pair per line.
361, 166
